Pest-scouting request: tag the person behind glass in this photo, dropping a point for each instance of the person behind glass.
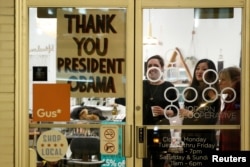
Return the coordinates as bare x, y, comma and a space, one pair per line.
230, 115
154, 104
202, 110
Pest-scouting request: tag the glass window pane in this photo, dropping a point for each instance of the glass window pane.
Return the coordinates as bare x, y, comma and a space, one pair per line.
192, 71
83, 48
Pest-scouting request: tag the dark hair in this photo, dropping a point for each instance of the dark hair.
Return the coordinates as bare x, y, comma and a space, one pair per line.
159, 58
210, 76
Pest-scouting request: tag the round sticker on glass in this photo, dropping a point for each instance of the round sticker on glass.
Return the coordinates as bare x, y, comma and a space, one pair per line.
52, 145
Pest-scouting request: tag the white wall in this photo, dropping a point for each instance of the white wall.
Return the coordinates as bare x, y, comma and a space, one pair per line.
173, 27
42, 48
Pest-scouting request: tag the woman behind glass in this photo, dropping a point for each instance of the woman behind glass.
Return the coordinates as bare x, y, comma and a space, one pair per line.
203, 110
153, 95
230, 114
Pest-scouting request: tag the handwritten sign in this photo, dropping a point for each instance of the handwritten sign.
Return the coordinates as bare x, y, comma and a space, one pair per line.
91, 52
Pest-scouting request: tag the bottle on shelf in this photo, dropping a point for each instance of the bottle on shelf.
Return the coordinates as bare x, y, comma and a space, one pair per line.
220, 64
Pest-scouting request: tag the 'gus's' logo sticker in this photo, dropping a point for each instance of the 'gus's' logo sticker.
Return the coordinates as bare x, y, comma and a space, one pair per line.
51, 102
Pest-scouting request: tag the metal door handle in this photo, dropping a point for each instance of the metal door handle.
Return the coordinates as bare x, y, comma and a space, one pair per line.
127, 141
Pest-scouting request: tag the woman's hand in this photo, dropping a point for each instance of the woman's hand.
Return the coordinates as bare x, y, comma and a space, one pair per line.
157, 110
185, 113
169, 113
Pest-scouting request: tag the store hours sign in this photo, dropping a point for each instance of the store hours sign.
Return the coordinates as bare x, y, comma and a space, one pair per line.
91, 51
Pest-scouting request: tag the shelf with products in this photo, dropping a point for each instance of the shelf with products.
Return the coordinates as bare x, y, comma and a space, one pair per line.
177, 69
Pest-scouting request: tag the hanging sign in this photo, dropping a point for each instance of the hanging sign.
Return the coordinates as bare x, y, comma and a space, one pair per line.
91, 51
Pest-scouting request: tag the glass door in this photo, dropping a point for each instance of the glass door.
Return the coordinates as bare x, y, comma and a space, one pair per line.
188, 101
78, 75
120, 74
